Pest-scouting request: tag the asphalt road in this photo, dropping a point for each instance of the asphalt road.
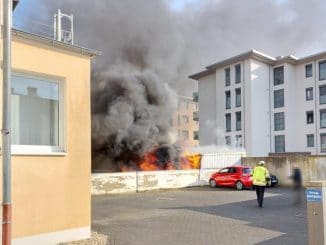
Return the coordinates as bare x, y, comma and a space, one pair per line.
200, 216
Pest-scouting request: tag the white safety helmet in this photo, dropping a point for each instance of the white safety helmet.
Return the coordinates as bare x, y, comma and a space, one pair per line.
262, 163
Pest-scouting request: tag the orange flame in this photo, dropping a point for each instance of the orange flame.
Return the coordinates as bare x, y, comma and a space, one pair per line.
186, 161
190, 161
149, 162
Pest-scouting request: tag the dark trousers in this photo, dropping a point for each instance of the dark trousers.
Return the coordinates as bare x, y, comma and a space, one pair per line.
260, 194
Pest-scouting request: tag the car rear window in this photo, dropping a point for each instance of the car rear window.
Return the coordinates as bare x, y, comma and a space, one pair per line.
246, 170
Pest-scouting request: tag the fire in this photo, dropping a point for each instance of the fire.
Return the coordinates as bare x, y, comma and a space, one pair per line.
190, 161
150, 162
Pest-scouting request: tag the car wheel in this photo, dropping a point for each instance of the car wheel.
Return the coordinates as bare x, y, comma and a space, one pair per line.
239, 185
212, 183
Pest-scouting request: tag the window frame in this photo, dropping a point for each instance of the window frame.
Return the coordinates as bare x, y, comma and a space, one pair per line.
238, 122
279, 106
279, 118
306, 69
321, 63
61, 148
227, 78
238, 66
313, 140
307, 113
321, 148
238, 138
226, 124
226, 140
321, 87
275, 141
228, 92
312, 93
236, 97
320, 112
275, 69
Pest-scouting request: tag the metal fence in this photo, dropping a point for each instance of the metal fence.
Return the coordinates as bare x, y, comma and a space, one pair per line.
221, 160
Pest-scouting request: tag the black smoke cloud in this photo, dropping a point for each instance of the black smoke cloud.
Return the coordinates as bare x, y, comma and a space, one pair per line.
149, 50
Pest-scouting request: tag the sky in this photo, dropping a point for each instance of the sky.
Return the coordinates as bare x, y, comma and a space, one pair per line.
180, 37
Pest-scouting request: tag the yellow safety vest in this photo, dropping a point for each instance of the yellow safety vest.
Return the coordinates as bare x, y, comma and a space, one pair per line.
259, 175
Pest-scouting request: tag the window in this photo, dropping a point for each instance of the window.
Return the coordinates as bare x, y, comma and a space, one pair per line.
322, 94
279, 121
232, 170
195, 96
36, 114
238, 97
278, 75
224, 171
323, 118
185, 134
228, 140
196, 135
227, 99
279, 98
238, 74
309, 94
238, 120
322, 70
310, 117
310, 140
279, 143
185, 119
228, 122
238, 140
246, 170
323, 142
309, 70
227, 77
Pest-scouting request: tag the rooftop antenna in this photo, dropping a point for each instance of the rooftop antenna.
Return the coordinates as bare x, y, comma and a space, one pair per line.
66, 36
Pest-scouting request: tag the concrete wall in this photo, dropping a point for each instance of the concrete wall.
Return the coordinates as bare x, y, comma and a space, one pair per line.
112, 183
312, 167
51, 191
258, 107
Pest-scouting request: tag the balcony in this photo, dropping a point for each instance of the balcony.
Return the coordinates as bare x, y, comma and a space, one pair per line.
195, 116
195, 96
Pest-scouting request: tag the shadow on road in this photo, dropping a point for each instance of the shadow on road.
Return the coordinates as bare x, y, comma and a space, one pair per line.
271, 217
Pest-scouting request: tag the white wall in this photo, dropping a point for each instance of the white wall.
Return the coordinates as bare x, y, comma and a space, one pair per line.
258, 104
303, 106
111, 183
207, 110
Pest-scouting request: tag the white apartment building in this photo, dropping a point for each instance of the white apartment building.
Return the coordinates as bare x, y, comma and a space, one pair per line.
264, 104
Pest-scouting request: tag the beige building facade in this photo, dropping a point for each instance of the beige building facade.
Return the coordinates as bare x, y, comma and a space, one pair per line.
51, 140
185, 122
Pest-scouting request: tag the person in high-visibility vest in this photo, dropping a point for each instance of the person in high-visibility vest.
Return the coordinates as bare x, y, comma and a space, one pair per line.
260, 177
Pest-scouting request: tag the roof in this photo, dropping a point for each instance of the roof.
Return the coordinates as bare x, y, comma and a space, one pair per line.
19, 34
254, 54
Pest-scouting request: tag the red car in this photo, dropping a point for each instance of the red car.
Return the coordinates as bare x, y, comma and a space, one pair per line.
234, 176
